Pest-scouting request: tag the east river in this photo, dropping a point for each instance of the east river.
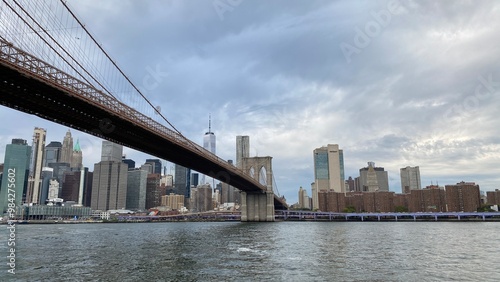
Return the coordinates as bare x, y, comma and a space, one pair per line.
234, 251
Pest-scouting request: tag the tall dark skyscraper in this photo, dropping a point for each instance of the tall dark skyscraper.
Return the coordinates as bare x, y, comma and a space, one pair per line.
52, 153
130, 163
136, 189
156, 163
58, 172
195, 179
182, 183
16, 167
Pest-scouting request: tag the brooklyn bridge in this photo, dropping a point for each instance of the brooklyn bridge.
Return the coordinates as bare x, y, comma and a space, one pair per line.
44, 72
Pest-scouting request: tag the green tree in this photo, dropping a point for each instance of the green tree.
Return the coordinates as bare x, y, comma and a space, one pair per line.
400, 209
350, 209
485, 208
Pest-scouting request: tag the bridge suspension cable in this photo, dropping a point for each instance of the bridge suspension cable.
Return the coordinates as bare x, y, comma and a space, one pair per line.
55, 42
275, 187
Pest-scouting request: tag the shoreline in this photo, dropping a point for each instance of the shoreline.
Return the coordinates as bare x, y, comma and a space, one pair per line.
64, 222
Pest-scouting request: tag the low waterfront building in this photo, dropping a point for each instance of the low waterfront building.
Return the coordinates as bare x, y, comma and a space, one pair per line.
46, 212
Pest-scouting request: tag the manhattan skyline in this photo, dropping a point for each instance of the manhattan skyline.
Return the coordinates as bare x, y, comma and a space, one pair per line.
422, 92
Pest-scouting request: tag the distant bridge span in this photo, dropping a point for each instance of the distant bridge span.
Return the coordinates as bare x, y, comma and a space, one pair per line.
33, 86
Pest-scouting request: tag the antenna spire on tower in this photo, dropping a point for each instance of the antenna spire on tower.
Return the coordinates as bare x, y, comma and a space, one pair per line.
209, 123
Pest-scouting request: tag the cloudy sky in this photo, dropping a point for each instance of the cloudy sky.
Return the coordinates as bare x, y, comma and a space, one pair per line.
400, 83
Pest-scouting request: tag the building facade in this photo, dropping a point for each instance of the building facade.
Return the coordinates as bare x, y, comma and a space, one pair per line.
202, 199
111, 152
136, 189
372, 178
130, 163
242, 149
304, 202
52, 153
67, 148
15, 173
156, 164
109, 185
328, 171
36, 165
463, 197
154, 190
172, 201
410, 179
182, 185
77, 156
430, 199
493, 197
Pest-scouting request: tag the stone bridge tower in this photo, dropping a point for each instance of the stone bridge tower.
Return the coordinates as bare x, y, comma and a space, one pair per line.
258, 206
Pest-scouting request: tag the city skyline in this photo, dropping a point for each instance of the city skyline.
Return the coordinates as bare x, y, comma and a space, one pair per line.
148, 159
431, 105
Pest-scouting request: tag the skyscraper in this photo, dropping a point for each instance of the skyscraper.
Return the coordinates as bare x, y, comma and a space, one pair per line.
195, 179
109, 184
328, 171
77, 157
303, 199
156, 163
372, 178
242, 149
182, 185
410, 179
154, 190
59, 169
16, 168
209, 144
71, 187
209, 138
136, 189
130, 163
47, 174
36, 164
52, 153
111, 152
67, 148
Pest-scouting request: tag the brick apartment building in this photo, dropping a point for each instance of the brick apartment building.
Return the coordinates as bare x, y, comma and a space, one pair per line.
463, 196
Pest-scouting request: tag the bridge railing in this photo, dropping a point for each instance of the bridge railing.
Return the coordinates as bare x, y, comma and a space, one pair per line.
33, 66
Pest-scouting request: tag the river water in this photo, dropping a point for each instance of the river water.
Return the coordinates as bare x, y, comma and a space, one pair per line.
234, 251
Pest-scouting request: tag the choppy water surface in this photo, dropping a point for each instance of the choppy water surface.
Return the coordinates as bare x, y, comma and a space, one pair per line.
233, 251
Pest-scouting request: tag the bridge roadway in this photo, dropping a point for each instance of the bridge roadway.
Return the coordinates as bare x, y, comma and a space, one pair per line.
33, 86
